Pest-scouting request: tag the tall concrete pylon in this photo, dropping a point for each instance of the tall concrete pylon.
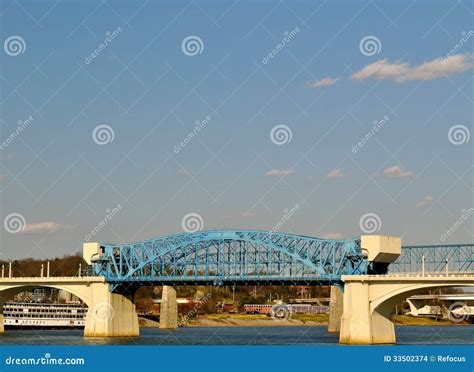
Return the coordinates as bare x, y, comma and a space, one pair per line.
168, 309
336, 302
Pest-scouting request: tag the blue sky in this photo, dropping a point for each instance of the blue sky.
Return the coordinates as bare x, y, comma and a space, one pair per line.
412, 176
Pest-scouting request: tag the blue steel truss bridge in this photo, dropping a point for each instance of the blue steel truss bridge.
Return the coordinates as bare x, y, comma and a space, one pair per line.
246, 257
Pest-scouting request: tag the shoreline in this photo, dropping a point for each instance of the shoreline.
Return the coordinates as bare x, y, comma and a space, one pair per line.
299, 320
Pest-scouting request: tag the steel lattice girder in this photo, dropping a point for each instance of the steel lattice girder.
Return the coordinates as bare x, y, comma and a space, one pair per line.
231, 256
454, 257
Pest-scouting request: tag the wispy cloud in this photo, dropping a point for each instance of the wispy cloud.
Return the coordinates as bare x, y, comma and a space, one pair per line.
402, 72
183, 172
335, 173
280, 172
326, 82
396, 172
427, 200
45, 228
333, 235
247, 214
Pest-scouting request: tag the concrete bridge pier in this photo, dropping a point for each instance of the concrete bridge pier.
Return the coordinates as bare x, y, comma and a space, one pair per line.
168, 309
110, 314
360, 325
335, 309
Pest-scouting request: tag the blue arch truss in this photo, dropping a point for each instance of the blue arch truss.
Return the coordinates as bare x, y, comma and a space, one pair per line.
230, 257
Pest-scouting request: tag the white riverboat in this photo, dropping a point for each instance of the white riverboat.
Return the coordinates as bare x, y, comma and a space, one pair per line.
21, 314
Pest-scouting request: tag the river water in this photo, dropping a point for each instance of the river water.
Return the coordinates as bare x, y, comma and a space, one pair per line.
314, 335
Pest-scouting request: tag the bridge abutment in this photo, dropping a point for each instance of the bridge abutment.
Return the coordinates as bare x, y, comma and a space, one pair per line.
168, 309
110, 314
336, 303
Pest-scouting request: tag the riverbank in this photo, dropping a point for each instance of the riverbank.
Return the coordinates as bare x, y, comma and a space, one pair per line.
410, 320
296, 320
251, 320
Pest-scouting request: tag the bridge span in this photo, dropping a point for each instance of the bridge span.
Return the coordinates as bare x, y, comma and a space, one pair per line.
109, 314
363, 288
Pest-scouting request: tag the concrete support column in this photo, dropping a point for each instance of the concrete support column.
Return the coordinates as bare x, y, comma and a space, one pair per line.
110, 314
360, 325
2, 327
168, 309
336, 303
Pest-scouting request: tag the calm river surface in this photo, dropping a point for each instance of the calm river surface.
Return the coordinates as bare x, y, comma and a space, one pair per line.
316, 335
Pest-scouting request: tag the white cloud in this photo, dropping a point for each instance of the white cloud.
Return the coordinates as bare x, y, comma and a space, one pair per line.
247, 214
280, 172
440, 67
335, 173
326, 82
381, 70
183, 172
396, 172
45, 228
401, 72
427, 200
333, 235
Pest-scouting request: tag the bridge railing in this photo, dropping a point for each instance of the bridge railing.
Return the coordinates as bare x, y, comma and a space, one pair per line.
435, 259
